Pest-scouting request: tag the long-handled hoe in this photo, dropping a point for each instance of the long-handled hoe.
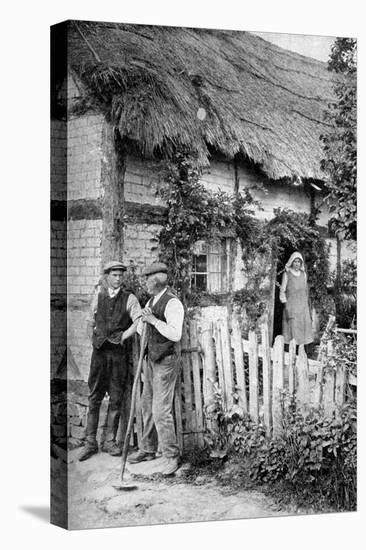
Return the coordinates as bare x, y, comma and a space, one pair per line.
123, 485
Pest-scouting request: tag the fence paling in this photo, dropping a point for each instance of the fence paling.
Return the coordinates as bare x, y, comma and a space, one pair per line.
277, 385
291, 367
209, 369
178, 412
239, 363
196, 362
340, 385
253, 376
318, 385
190, 424
227, 362
220, 367
328, 392
302, 377
267, 378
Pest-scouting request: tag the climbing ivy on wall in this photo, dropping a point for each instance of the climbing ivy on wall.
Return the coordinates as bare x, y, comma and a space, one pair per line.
193, 214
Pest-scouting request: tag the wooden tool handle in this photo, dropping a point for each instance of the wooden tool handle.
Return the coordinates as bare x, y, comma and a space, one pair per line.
133, 400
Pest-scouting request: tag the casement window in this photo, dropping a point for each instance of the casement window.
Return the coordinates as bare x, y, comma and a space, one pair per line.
210, 267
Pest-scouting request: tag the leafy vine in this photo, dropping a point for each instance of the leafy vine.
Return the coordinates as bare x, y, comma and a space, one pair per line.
196, 214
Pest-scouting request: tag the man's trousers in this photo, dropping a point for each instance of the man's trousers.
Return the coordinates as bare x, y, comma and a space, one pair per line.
157, 406
108, 373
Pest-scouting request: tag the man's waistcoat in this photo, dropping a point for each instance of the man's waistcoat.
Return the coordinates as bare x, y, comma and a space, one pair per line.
111, 318
159, 346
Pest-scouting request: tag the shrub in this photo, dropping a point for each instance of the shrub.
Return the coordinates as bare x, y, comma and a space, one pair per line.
315, 456
313, 453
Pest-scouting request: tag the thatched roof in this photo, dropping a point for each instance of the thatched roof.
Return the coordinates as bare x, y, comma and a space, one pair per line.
261, 101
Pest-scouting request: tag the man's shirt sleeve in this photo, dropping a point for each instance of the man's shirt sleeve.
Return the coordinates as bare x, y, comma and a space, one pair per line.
133, 308
174, 315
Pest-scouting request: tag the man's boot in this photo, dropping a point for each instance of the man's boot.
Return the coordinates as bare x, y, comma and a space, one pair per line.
110, 446
90, 448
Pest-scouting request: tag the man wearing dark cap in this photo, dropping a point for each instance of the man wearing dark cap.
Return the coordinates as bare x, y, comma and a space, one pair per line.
114, 316
163, 314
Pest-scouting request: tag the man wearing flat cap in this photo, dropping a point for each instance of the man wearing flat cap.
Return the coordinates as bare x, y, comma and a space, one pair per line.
114, 317
163, 314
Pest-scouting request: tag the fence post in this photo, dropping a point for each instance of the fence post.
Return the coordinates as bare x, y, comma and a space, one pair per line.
239, 363
220, 367
227, 362
178, 411
196, 382
302, 376
340, 385
209, 370
253, 376
328, 387
291, 367
190, 424
328, 392
267, 375
277, 384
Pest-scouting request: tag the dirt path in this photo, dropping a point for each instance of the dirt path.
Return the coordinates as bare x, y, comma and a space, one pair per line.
93, 502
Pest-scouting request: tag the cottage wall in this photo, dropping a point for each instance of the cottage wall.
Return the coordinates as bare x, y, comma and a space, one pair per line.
76, 241
58, 243
141, 187
85, 231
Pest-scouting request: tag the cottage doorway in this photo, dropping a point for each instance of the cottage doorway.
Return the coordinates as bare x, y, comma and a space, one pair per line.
278, 306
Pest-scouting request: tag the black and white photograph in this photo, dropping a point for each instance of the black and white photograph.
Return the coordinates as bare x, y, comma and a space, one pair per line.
182, 254
203, 274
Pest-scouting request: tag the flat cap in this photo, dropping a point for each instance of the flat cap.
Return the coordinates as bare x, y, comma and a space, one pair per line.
156, 267
114, 264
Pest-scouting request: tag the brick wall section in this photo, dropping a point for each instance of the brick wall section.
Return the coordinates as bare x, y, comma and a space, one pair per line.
84, 155
83, 272
141, 182
58, 338
83, 255
140, 244
58, 160
58, 257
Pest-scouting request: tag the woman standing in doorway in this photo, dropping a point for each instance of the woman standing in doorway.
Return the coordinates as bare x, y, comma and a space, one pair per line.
296, 321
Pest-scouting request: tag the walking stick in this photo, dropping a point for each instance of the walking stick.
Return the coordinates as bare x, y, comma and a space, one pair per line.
122, 485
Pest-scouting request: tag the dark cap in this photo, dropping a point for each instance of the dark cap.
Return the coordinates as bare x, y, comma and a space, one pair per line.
113, 265
157, 267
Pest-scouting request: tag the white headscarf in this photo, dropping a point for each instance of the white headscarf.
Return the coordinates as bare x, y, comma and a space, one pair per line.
293, 257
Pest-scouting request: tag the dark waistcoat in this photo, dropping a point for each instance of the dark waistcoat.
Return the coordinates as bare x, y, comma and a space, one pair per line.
159, 346
111, 318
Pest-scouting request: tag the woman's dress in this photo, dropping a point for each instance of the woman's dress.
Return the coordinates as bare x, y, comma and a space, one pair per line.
296, 321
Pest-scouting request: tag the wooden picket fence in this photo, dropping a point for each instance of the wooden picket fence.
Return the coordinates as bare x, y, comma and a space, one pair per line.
248, 373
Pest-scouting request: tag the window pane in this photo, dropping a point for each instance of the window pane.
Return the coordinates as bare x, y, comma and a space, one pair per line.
201, 282
213, 263
214, 282
200, 264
